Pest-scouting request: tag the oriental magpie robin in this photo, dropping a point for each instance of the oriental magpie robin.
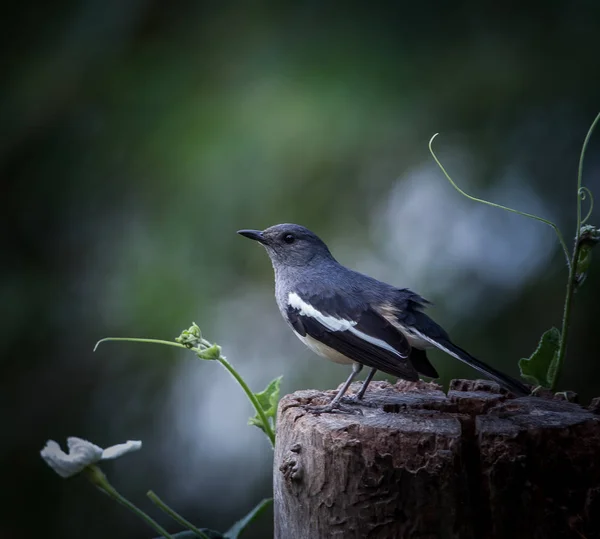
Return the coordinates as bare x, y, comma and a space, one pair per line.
353, 319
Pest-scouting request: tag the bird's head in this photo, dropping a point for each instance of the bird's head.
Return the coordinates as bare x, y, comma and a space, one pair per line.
290, 245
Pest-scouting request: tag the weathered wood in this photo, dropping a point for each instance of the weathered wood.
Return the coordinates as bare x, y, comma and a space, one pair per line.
422, 464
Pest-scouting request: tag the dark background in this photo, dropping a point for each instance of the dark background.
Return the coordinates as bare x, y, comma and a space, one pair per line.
137, 137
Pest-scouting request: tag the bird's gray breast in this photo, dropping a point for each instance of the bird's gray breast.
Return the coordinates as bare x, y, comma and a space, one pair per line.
283, 286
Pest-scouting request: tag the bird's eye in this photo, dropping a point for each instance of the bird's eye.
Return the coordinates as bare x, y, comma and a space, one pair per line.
289, 238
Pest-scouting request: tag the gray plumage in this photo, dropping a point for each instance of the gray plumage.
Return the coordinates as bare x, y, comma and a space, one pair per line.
352, 318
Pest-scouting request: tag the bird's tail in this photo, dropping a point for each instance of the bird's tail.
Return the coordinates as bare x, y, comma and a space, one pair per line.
508, 382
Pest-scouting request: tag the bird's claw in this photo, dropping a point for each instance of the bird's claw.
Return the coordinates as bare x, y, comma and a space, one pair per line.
331, 408
352, 399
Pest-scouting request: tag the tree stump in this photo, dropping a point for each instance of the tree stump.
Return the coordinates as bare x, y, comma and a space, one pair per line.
422, 464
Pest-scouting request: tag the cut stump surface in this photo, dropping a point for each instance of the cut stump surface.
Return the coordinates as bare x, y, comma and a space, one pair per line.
419, 463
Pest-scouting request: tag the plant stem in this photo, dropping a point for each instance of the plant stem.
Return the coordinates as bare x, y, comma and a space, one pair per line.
572, 267
175, 516
137, 339
494, 205
265, 421
580, 168
251, 397
97, 477
566, 315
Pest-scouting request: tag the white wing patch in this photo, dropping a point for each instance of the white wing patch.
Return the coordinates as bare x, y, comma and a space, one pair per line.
414, 337
336, 324
376, 342
436, 344
330, 322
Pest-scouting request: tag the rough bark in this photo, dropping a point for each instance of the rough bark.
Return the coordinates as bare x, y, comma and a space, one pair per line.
422, 464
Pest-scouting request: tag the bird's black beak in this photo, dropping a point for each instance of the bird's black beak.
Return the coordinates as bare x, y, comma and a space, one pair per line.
255, 235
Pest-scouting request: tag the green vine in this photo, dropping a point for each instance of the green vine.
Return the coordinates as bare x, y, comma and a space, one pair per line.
493, 204
192, 340
553, 345
571, 282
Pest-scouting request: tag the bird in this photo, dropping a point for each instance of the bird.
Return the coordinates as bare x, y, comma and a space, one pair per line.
353, 319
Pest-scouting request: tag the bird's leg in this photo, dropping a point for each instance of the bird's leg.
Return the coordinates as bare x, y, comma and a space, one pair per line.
356, 368
363, 388
335, 405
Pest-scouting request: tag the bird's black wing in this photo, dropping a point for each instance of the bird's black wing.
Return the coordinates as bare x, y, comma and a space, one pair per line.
360, 334
410, 316
419, 360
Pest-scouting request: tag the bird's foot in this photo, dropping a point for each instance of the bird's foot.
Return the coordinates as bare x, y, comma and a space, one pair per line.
331, 408
352, 399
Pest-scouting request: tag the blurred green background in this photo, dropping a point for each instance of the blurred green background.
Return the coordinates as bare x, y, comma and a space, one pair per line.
137, 137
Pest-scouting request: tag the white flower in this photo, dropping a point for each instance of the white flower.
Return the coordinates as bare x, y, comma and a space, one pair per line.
82, 454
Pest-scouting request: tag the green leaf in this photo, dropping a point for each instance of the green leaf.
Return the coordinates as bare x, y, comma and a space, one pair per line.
589, 237
267, 400
235, 530
241, 525
540, 367
190, 337
212, 352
